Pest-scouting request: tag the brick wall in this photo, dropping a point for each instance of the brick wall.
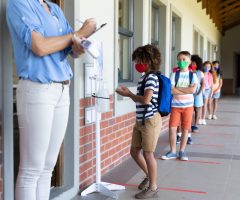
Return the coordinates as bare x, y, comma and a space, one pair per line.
115, 141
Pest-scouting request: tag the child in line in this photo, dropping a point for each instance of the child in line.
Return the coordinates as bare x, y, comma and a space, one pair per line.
182, 106
145, 135
217, 85
207, 94
196, 66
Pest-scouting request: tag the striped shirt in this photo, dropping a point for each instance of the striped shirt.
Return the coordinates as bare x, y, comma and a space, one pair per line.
183, 100
151, 82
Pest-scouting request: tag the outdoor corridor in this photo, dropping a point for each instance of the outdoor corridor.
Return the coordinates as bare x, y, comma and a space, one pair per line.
212, 172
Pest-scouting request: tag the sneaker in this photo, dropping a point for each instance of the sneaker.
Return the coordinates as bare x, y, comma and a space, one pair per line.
169, 155
147, 194
209, 116
204, 122
214, 117
200, 121
182, 156
178, 139
195, 129
144, 183
189, 140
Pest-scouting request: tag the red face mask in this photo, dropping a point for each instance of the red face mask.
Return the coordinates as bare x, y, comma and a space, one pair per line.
193, 67
140, 67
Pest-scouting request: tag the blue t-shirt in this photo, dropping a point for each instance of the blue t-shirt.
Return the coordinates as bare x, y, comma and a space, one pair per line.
152, 84
25, 16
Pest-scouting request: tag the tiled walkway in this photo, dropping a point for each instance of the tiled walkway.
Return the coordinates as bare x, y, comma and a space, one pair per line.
213, 169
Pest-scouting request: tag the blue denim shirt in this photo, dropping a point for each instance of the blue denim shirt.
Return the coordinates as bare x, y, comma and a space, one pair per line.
25, 16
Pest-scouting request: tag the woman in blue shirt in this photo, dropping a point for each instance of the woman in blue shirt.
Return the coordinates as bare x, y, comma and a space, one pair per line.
42, 39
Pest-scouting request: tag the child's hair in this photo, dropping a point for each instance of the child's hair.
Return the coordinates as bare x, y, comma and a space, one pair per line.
185, 53
218, 70
148, 54
215, 62
198, 60
207, 62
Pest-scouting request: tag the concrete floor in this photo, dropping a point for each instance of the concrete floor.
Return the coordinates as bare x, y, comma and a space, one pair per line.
213, 169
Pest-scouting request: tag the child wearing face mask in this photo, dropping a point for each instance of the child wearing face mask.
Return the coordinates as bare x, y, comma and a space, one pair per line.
207, 94
182, 106
145, 135
196, 66
216, 88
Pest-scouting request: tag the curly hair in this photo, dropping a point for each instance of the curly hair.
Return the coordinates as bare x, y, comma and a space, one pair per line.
148, 54
198, 60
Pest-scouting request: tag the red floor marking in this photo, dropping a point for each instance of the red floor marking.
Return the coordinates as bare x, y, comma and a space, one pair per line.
170, 189
184, 190
209, 145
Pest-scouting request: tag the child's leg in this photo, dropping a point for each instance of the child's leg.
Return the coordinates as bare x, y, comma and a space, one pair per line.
139, 159
210, 107
186, 121
150, 135
204, 110
215, 106
152, 169
136, 147
198, 114
172, 139
184, 139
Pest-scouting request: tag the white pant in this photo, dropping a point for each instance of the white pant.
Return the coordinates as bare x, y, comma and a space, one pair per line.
42, 116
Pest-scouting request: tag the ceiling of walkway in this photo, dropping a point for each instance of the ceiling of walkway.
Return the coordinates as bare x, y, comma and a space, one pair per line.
224, 13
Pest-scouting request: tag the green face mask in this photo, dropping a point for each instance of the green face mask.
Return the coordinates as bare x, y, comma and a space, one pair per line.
182, 64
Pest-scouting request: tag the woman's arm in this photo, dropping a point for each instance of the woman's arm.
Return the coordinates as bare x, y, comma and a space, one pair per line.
42, 46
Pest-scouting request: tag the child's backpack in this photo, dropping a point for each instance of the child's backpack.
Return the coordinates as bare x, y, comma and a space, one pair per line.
164, 94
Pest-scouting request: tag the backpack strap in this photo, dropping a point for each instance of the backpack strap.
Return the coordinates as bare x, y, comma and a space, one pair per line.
177, 74
142, 93
190, 77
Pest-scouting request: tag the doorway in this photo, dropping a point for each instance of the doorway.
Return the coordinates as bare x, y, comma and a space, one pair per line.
237, 76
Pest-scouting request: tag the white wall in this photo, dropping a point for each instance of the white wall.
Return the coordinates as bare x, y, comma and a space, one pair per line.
193, 15
230, 46
103, 12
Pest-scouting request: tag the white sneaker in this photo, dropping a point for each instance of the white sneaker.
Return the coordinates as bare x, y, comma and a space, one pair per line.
204, 122
200, 121
214, 117
209, 116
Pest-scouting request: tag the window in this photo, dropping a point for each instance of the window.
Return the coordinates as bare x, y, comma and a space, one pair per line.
175, 39
197, 42
155, 29
125, 41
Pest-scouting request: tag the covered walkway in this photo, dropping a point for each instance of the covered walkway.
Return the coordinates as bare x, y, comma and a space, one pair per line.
212, 172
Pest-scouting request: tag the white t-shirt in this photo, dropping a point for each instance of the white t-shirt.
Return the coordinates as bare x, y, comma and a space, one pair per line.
183, 100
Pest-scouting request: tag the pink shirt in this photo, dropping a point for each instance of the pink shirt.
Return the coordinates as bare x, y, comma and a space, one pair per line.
208, 79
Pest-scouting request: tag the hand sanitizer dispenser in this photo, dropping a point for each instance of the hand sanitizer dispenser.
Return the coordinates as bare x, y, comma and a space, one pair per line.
103, 98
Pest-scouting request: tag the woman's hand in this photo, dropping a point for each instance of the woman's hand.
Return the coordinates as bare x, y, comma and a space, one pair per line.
76, 47
87, 29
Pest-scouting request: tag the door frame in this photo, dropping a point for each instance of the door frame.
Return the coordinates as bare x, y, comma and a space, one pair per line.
6, 107
71, 141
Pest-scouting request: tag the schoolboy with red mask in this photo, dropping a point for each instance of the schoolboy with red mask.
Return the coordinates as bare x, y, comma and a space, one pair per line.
145, 135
